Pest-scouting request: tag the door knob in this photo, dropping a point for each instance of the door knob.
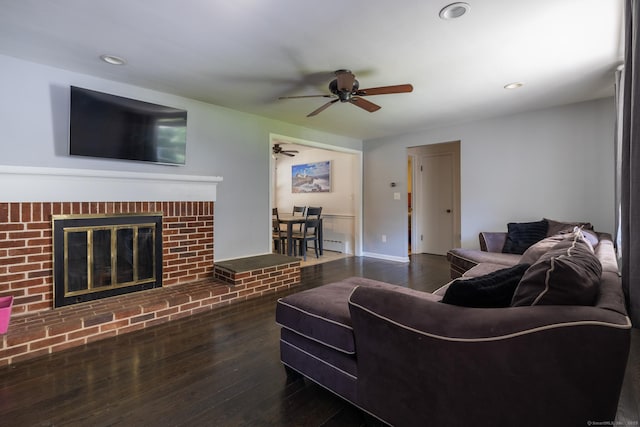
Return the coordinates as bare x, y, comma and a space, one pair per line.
448, 210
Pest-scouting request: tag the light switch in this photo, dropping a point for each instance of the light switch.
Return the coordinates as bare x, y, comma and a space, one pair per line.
396, 196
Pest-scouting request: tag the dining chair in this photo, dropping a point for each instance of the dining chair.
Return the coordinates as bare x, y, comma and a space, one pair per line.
278, 235
301, 211
310, 232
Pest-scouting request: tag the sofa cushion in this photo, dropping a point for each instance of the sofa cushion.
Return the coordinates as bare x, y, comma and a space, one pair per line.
491, 290
293, 342
521, 235
322, 314
568, 274
462, 259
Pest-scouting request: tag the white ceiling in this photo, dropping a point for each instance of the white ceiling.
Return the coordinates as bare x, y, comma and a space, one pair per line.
244, 54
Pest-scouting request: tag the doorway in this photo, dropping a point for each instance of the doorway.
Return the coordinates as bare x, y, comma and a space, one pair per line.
342, 205
434, 210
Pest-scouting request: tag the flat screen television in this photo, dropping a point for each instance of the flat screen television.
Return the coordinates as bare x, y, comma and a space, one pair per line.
114, 127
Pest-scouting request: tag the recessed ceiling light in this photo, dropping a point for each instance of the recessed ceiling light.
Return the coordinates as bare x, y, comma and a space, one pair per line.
454, 10
113, 60
514, 85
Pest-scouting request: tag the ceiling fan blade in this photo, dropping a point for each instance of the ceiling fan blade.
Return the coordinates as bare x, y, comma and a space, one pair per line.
290, 151
287, 154
321, 109
364, 104
385, 90
306, 96
345, 80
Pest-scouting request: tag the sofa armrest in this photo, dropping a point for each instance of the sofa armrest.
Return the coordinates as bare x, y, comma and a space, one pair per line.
492, 241
419, 359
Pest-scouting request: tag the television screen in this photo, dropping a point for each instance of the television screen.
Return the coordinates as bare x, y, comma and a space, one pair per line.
110, 126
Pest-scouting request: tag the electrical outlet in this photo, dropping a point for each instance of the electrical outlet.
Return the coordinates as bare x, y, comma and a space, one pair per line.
384, 238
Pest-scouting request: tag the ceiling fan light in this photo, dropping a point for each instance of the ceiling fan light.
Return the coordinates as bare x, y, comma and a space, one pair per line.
454, 10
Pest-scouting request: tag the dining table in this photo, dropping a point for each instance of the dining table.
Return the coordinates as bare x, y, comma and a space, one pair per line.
290, 221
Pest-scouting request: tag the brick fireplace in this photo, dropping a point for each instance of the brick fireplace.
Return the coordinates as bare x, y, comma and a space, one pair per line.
26, 258
26, 247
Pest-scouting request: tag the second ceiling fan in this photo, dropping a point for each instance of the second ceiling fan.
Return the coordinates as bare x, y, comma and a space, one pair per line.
277, 149
345, 88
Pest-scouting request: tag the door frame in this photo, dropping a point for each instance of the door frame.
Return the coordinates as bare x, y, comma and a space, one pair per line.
413, 244
282, 139
450, 147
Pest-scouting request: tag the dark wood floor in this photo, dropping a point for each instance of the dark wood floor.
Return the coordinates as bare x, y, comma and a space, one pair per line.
214, 369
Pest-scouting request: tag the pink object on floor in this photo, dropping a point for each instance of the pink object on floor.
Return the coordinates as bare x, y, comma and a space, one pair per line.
5, 313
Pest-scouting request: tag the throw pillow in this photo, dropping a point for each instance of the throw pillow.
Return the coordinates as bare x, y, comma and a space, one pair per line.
491, 290
521, 235
535, 251
568, 274
590, 236
556, 227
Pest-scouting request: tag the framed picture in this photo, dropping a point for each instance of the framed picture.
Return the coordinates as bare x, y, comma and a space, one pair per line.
311, 177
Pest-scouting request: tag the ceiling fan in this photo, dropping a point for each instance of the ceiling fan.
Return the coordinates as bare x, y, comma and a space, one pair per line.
345, 88
278, 150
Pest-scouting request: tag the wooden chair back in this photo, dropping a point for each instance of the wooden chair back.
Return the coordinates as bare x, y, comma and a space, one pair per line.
312, 221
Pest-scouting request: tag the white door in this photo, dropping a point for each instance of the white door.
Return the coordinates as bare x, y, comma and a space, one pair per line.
436, 198
437, 203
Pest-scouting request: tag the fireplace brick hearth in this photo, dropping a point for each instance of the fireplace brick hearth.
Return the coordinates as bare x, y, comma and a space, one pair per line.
26, 272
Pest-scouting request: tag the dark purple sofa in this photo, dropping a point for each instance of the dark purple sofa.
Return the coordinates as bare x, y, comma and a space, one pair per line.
409, 359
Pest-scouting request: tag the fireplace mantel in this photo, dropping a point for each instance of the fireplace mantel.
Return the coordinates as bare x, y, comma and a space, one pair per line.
39, 184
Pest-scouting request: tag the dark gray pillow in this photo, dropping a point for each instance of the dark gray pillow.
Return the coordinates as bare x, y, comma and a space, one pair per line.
568, 274
535, 251
556, 227
521, 235
491, 290
568, 228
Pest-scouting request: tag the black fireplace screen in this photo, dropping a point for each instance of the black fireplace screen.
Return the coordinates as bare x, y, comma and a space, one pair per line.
96, 256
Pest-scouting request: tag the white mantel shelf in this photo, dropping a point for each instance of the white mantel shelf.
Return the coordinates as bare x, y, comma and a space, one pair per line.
38, 184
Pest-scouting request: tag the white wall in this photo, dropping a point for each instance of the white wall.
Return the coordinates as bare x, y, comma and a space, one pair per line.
556, 163
220, 142
339, 201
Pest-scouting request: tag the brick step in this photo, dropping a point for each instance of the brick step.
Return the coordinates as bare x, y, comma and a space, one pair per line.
260, 268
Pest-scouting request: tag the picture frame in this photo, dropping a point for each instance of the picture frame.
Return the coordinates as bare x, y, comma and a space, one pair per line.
311, 177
